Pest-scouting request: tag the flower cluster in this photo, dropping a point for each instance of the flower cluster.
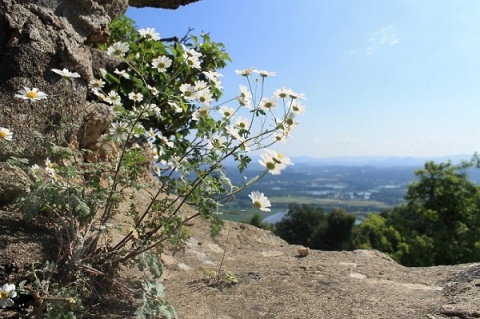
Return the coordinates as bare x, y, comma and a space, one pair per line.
220, 130
274, 162
46, 174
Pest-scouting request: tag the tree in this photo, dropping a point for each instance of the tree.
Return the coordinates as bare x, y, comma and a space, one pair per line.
309, 226
438, 224
256, 221
300, 223
336, 233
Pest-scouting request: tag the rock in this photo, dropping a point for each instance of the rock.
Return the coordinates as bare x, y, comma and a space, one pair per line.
14, 182
165, 4
303, 251
36, 37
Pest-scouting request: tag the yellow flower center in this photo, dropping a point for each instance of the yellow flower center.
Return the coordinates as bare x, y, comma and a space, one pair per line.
203, 112
257, 204
4, 295
31, 94
3, 134
270, 165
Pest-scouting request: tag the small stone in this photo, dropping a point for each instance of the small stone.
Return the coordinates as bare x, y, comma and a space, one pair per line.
303, 251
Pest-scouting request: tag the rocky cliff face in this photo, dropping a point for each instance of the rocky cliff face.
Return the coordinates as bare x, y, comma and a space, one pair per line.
38, 35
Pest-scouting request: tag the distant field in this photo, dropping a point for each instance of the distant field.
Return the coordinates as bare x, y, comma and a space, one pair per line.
330, 202
358, 207
243, 216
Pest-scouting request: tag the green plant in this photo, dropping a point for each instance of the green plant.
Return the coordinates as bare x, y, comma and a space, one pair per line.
165, 123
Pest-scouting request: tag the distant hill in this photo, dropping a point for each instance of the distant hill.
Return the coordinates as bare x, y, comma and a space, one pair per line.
375, 161
378, 161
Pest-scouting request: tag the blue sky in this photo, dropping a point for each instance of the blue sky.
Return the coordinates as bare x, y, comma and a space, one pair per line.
382, 78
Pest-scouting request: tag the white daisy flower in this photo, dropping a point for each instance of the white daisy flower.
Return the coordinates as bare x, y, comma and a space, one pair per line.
242, 123
234, 132
213, 76
96, 84
283, 93
7, 293
271, 164
66, 73
149, 34
137, 97
162, 63
5, 134
264, 73
244, 97
245, 72
205, 96
176, 108
279, 136
268, 104
297, 108
152, 134
279, 158
188, 91
192, 58
295, 95
118, 49
203, 111
152, 108
153, 90
122, 73
227, 112
260, 201
119, 131
33, 95
36, 171
200, 85
289, 121
114, 98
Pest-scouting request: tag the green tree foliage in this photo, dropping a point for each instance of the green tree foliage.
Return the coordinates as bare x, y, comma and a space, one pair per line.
256, 221
336, 233
122, 29
300, 223
309, 226
375, 233
438, 224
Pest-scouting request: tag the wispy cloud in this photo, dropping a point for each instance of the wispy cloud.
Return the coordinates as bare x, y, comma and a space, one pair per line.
386, 36
347, 140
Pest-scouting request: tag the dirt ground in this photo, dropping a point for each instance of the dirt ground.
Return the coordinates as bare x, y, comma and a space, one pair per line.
274, 282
